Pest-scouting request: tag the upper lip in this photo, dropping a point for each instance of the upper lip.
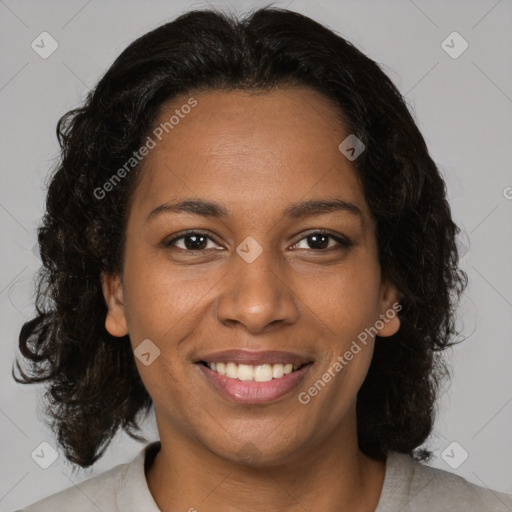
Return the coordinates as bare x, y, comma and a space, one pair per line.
254, 357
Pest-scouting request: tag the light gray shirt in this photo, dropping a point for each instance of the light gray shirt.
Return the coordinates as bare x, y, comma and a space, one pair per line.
408, 487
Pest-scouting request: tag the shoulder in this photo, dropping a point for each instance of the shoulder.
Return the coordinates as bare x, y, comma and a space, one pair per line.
99, 491
122, 488
413, 487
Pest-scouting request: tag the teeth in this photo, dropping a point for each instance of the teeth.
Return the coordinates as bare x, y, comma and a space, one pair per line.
245, 372
248, 372
232, 370
277, 371
263, 373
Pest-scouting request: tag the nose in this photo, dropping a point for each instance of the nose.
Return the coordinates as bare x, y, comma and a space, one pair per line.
257, 295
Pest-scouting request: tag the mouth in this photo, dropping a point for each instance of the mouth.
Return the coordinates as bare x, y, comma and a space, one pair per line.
254, 377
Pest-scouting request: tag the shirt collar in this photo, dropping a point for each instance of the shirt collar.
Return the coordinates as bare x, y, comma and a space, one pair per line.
134, 494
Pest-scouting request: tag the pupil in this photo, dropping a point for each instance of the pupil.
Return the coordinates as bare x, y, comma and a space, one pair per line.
321, 245
195, 245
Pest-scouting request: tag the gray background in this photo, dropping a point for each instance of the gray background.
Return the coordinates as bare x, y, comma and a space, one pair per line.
463, 107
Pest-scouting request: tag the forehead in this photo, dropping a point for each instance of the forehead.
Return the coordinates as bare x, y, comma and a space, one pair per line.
256, 149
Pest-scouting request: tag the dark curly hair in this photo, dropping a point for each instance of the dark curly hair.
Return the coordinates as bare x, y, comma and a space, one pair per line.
93, 386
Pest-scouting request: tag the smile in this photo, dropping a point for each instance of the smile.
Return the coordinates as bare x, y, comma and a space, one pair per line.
253, 377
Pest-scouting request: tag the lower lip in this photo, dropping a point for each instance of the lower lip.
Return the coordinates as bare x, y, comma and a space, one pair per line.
251, 392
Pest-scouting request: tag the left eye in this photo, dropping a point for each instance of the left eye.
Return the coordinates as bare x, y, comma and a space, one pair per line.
320, 240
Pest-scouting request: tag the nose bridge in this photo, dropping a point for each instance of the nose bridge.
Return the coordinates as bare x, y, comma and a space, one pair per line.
257, 294
255, 265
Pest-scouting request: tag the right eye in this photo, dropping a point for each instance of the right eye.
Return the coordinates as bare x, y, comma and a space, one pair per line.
192, 241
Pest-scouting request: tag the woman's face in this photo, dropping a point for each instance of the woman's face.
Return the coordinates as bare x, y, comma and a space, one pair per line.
253, 276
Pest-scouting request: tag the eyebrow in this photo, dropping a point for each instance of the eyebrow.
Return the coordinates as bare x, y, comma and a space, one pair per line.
296, 210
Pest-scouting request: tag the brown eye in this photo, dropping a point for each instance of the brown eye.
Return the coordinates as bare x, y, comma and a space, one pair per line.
320, 241
192, 241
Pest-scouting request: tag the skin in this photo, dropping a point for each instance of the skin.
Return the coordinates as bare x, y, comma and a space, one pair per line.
255, 154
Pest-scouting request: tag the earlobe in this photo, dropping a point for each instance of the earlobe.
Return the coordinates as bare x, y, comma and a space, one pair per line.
389, 322
115, 320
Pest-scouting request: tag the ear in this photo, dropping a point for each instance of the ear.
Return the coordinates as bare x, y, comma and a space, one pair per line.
115, 321
389, 323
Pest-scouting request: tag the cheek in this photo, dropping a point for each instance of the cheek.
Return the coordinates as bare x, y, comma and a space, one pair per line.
344, 299
166, 384
160, 300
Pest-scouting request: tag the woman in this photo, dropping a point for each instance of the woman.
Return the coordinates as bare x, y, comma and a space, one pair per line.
246, 231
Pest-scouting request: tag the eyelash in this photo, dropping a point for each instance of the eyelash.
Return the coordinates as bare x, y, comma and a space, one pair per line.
343, 242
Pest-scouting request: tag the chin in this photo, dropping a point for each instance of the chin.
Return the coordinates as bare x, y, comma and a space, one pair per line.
256, 452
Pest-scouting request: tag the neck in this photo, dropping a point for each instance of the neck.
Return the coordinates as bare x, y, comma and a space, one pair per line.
332, 475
